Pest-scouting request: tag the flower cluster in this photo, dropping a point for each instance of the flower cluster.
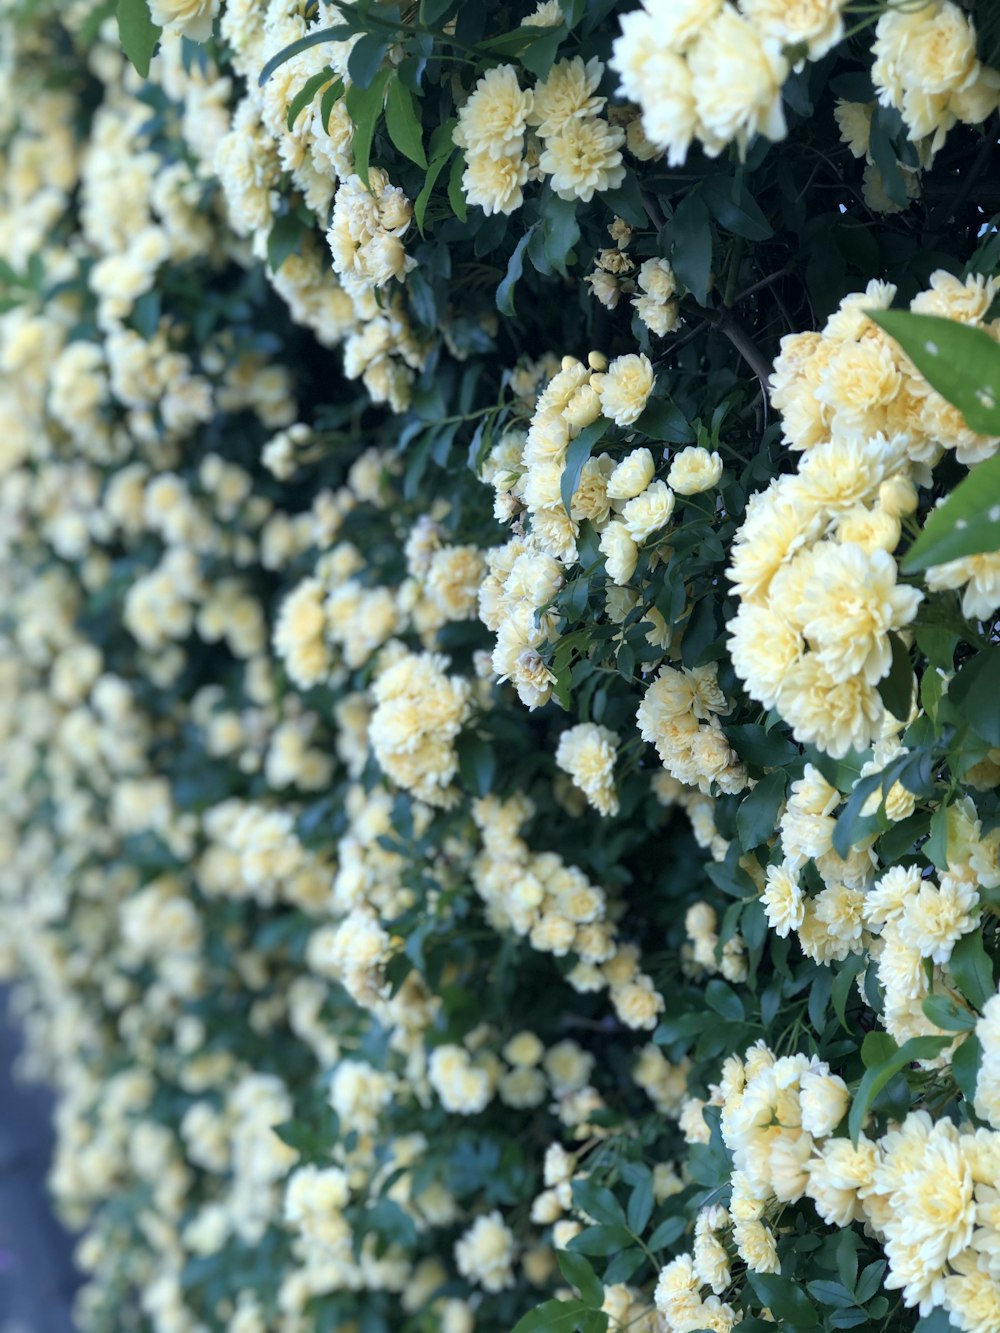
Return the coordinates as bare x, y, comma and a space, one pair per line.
486, 828
510, 136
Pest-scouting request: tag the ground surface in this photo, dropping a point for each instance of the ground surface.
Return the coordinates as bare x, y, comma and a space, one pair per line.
36, 1271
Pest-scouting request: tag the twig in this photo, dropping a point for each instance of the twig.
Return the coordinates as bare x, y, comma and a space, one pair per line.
759, 286
974, 172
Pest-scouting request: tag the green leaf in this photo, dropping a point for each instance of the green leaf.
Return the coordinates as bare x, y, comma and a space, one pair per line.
138, 33
962, 363
456, 196
876, 1048
968, 523
640, 1205
364, 105
306, 94
561, 1316
935, 1322
785, 1299
765, 749
757, 816
936, 846
515, 267
335, 34
601, 1240
692, 254
283, 239
878, 1075
626, 202
578, 1273
330, 95
594, 1321
936, 643
896, 688
884, 156
577, 454
724, 1000
870, 1281
947, 1015
843, 985
974, 691
477, 763
560, 230
734, 208
972, 969
598, 1202
831, 1293
441, 150
663, 421
847, 1257
365, 60
538, 57
403, 123
847, 820
965, 1062
667, 1232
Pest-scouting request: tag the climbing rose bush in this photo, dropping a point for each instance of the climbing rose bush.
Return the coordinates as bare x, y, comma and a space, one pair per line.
500, 566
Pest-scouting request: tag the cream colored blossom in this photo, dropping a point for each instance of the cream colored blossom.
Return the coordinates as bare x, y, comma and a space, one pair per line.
625, 387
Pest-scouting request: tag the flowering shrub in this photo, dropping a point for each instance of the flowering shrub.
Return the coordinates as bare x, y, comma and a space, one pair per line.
500, 567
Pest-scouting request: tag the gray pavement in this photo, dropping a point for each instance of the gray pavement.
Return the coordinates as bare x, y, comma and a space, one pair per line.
37, 1279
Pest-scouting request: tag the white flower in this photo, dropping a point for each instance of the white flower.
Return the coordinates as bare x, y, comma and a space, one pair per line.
693, 470
620, 551
632, 475
625, 387
649, 512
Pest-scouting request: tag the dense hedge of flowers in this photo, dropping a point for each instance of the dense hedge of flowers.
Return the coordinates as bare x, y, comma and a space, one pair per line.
500, 569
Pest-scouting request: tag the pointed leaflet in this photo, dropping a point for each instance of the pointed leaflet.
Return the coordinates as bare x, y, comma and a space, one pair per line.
403, 123
968, 523
577, 454
138, 33
364, 105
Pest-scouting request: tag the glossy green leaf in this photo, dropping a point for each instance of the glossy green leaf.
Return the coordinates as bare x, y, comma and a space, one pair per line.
974, 690
578, 1273
283, 239
598, 1202
691, 228
306, 94
640, 1205
968, 523
878, 1075
552, 1317
403, 123
138, 33
335, 34
972, 969
961, 362
734, 208
965, 1062
757, 817
946, 1014
364, 105
365, 60
786, 1300
515, 267
896, 688
667, 1232
456, 196
577, 454
601, 1240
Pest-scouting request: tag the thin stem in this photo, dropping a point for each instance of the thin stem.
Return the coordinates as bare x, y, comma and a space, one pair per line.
973, 174
731, 328
759, 286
